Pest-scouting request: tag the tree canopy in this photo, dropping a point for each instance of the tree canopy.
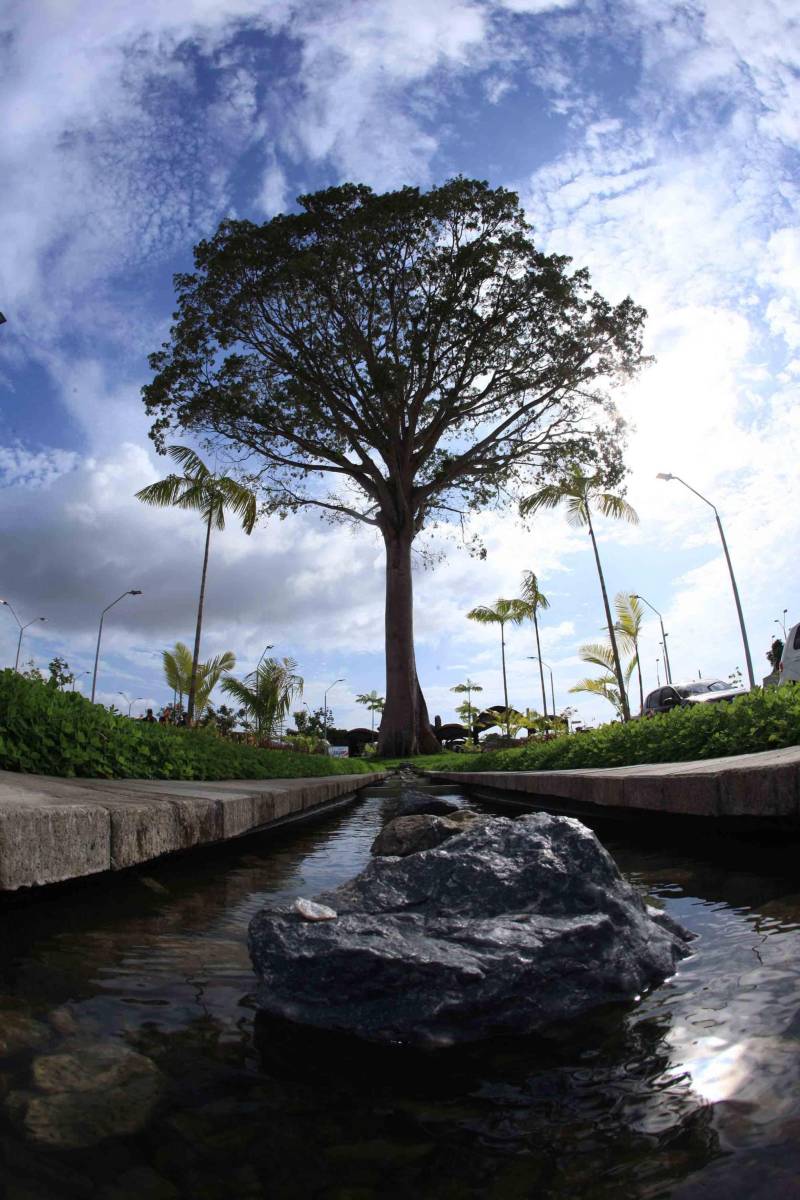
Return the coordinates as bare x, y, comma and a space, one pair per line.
395, 359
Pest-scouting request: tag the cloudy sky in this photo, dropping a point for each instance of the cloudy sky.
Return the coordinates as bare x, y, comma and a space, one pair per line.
654, 141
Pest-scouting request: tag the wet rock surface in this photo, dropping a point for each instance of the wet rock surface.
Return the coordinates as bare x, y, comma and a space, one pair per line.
414, 803
505, 927
408, 835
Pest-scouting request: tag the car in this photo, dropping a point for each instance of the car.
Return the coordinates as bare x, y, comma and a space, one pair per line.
789, 666
686, 695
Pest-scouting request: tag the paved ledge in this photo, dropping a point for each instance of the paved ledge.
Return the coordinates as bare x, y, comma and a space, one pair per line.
54, 829
760, 788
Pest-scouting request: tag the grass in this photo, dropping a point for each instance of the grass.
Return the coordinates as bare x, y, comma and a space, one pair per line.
50, 732
767, 719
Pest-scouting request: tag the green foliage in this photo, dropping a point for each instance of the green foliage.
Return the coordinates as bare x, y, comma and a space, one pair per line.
267, 693
314, 724
50, 732
60, 674
199, 490
759, 720
178, 673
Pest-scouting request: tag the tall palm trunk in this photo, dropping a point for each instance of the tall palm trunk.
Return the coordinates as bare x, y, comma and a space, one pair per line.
505, 681
639, 673
626, 712
196, 655
539, 657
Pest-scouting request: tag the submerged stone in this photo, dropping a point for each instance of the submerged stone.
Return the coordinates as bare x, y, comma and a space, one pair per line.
504, 928
88, 1092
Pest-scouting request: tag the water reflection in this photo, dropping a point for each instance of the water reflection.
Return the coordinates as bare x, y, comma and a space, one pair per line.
685, 1090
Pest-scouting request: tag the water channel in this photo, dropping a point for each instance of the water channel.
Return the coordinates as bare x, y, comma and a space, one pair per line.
692, 1092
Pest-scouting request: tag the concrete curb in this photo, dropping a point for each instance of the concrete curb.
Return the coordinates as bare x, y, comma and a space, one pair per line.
53, 829
763, 787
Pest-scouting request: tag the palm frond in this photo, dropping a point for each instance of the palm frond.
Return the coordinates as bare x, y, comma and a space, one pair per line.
192, 463
240, 500
162, 493
548, 496
531, 592
617, 508
577, 511
598, 653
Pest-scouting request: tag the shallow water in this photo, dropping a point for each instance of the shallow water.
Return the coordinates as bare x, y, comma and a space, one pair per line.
693, 1092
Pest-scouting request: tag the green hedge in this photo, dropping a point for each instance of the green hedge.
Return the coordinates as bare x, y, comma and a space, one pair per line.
759, 720
49, 732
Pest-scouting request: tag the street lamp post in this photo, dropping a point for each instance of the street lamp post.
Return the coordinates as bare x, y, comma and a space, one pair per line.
667, 667
130, 592
131, 703
325, 706
264, 655
745, 643
22, 629
536, 658
79, 675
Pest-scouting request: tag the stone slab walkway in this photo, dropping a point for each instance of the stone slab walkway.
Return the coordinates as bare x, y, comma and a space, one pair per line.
55, 829
761, 787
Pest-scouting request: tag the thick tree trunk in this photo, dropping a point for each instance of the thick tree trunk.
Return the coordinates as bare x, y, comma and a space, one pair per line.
405, 729
626, 712
196, 655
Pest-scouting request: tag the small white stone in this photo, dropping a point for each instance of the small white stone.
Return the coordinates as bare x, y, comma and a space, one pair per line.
310, 911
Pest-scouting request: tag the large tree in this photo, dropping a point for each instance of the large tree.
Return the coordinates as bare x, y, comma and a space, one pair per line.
396, 360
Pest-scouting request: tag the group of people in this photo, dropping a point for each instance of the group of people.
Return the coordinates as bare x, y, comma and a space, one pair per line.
167, 716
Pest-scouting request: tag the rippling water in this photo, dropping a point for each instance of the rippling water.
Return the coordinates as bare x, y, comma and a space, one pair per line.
694, 1092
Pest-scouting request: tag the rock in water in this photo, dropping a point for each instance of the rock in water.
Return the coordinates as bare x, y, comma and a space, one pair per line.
408, 835
414, 803
503, 928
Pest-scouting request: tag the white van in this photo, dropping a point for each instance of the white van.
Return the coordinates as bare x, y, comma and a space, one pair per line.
790, 659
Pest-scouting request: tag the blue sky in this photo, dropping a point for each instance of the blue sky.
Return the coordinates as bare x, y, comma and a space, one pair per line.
655, 142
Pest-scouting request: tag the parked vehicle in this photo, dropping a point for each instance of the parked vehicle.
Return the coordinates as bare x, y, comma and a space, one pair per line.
789, 666
686, 695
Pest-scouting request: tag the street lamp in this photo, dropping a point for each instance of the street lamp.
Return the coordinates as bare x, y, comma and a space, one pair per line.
536, 658
325, 705
745, 643
130, 592
131, 702
782, 623
264, 655
667, 668
78, 676
22, 629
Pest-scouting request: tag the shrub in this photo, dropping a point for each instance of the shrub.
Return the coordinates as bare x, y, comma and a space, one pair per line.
758, 720
51, 732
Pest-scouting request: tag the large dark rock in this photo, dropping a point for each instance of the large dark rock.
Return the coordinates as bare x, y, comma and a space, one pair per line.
409, 835
413, 803
504, 928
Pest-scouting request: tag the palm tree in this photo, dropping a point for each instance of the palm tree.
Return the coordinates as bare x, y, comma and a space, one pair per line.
504, 611
630, 617
209, 494
373, 702
606, 686
267, 693
535, 600
580, 492
178, 672
468, 687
